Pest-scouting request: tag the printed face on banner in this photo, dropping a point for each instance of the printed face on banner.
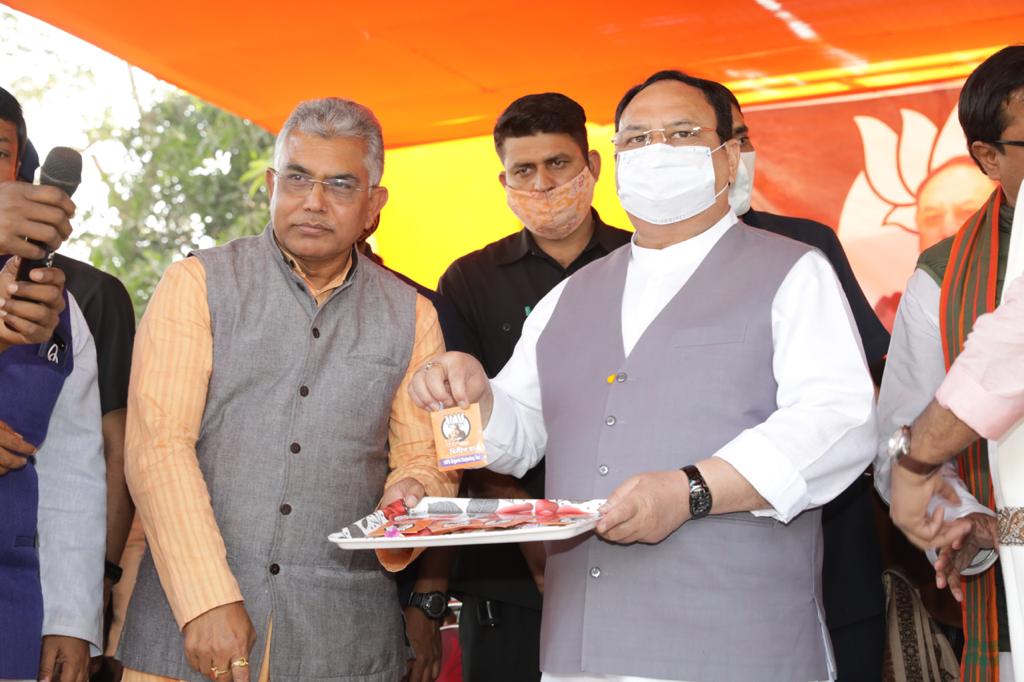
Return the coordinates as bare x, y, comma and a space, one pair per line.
889, 171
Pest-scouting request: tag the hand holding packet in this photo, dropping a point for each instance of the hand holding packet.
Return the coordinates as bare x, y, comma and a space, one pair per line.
459, 438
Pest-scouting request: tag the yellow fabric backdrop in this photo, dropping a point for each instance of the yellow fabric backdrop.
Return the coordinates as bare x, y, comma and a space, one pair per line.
445, 201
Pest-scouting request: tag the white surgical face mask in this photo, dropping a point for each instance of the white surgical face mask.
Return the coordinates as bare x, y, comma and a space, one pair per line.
662, 184
740, 191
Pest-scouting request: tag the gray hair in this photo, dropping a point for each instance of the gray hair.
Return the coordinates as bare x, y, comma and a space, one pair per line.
335, 117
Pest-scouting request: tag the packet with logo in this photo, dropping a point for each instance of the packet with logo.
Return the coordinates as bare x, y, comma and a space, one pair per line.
459, 438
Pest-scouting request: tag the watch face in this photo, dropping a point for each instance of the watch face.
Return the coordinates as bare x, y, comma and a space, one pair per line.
700, 502
899, 442
434, 604
700, 496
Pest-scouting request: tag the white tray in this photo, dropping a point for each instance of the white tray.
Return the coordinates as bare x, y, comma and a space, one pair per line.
354, 536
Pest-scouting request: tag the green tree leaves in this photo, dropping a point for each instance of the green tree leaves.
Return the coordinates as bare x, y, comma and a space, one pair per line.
192, 180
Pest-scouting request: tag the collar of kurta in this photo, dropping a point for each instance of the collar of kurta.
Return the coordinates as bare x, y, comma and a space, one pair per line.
320, 294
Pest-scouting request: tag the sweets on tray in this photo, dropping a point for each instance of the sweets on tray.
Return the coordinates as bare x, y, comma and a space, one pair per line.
443, 516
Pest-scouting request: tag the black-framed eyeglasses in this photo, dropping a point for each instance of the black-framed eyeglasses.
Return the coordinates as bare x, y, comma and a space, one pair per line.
341, 189
1012, 143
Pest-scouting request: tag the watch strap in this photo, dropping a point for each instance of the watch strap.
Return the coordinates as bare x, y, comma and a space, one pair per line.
419, 600
112, 572
916, 466
899, 448
700, 494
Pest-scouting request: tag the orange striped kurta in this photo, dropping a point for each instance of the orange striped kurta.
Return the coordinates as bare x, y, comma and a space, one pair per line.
171, 369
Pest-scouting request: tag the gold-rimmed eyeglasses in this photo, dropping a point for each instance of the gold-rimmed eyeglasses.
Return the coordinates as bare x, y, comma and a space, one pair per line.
677, 136
343, 190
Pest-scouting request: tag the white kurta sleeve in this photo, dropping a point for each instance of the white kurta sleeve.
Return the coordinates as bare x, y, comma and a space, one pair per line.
822, 435
913, 372
515, 436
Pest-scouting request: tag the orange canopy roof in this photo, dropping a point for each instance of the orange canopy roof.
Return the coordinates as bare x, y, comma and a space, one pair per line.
444, 70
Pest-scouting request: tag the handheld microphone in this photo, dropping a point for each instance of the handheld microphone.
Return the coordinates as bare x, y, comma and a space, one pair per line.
63, 170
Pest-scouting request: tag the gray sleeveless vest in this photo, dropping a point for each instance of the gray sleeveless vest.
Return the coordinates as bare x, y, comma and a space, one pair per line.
293, 446
727, 598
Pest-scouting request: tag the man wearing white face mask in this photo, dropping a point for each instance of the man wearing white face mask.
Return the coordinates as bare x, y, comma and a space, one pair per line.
708, 381
852, 566
549, 176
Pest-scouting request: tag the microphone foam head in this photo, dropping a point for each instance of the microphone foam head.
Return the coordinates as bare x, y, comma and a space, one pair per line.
63, 169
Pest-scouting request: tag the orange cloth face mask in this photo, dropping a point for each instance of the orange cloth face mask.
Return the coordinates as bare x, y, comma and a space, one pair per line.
556, 213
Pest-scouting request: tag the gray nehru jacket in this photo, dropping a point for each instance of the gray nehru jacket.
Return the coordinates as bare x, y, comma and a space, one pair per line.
293, 446
728, 598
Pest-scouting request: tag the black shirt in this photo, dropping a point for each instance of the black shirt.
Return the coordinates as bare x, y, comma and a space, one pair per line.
494, 290
108, 311
452, 328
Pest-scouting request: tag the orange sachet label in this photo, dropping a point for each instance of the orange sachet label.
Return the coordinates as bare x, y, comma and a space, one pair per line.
459, 438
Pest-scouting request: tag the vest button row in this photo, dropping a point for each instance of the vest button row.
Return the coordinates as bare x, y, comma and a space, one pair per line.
621, 377
286, 509
609, 420
303, 391
595, 572
603, 470
316, 332
295, 447
274, 569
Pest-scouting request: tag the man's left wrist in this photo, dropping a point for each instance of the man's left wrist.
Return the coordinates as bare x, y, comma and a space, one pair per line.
112, 572
699, 494
900, 450
434, 605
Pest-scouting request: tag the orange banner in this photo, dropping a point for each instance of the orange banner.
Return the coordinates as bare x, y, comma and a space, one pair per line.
889, 171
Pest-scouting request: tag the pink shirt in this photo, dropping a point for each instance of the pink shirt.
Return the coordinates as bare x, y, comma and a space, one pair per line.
985, 386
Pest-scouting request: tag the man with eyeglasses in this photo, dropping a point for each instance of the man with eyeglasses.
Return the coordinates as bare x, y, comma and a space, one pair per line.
956, 282
268, 409
707, 380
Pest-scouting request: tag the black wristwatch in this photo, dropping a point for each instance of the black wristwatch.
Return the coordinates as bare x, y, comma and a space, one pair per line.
433, 604
112, 572
700, 494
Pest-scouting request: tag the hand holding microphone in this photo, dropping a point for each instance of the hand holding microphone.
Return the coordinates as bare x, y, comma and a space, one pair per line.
34, 221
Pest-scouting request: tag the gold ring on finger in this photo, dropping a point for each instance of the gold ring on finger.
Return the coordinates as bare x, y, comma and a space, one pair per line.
217, 672
240, 662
